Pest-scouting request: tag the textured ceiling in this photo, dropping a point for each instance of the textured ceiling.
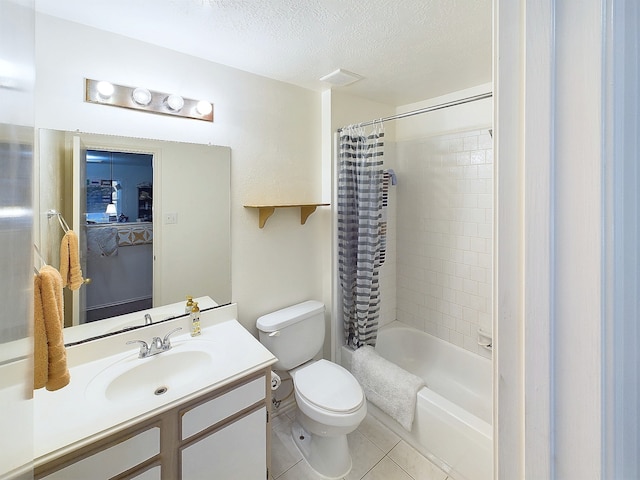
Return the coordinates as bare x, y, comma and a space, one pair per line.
406, 50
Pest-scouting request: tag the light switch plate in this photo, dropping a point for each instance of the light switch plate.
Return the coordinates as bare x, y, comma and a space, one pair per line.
170, 218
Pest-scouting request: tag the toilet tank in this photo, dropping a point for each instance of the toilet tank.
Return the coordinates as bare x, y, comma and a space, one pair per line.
294, 334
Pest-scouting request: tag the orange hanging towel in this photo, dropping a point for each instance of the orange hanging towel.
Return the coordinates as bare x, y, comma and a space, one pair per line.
50, 356
70, 261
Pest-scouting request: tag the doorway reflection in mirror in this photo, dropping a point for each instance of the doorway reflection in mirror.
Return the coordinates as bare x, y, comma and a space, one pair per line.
119, 233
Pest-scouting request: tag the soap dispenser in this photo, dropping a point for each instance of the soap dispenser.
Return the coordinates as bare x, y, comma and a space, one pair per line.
189, 305
195, 320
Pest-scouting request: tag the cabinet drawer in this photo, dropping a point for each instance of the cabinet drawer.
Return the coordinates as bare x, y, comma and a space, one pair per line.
219, 408
113, 460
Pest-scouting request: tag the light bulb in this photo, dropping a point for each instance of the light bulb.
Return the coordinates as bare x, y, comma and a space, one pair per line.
141, 96
175, 102
105, 89
204, 108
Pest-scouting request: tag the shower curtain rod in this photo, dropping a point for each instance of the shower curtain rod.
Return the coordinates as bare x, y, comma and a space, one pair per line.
440, 106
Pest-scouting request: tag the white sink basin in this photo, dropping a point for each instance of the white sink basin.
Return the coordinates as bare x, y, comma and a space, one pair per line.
174, 372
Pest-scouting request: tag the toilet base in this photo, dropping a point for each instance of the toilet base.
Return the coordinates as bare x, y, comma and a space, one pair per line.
327, 456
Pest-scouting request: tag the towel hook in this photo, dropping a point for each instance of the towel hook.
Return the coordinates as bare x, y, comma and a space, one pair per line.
61, 220
63, 223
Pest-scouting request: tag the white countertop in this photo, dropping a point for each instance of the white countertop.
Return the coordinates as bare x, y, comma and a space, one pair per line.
67, 419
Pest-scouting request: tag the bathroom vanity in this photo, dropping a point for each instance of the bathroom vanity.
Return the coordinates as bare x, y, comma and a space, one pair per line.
198, 410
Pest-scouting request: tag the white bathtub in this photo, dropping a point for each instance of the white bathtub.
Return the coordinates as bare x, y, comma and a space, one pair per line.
452, 424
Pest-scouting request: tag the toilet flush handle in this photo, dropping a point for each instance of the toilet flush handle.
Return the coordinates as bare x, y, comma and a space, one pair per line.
275, 334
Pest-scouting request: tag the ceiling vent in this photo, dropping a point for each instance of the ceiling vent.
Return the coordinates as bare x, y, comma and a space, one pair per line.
341, 78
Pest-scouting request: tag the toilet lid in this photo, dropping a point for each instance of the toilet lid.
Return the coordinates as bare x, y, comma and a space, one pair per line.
329, 386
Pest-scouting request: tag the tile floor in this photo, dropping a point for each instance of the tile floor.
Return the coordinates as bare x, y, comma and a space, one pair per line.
377, 454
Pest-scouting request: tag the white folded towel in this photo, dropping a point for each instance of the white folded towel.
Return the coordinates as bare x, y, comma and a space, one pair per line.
386, 385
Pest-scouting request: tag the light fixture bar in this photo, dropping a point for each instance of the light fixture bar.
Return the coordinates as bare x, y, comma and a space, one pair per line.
160, 102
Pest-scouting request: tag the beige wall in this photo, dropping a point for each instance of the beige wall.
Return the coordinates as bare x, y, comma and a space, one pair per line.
272, 128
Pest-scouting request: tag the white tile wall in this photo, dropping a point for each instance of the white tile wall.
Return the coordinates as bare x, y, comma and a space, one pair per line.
440, 244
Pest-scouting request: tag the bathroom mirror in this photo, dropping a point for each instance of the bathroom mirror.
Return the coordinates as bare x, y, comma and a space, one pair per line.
184, 232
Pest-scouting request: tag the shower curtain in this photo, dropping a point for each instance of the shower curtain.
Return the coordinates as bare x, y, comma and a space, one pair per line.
360, 179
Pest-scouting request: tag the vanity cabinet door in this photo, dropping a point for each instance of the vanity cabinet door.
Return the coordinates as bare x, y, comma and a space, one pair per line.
234, 452
113, 460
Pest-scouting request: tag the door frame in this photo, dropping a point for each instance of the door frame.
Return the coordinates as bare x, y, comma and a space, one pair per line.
559, 119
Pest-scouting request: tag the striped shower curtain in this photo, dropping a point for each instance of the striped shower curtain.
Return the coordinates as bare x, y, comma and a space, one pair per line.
359, 221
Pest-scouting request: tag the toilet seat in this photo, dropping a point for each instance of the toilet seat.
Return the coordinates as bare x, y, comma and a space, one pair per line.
328, 386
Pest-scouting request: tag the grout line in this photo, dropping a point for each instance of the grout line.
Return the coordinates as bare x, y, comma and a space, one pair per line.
276, 478
367, 472
400, 467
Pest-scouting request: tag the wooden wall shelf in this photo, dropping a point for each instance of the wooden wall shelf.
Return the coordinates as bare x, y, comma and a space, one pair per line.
265, 211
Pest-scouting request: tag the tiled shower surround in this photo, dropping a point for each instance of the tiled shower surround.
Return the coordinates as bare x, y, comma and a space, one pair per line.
440, 222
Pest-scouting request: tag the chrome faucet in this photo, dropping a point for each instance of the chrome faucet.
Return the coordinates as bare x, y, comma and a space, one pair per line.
157, 345
147, 319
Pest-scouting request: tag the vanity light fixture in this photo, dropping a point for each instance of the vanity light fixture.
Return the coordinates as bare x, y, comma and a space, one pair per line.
204, 108
105, 89
175, 102
141, 98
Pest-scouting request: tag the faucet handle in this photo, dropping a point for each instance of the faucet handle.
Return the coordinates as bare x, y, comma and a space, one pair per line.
144, 348
166, 343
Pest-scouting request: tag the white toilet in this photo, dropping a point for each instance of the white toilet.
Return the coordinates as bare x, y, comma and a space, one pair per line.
330, 400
